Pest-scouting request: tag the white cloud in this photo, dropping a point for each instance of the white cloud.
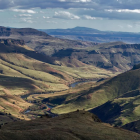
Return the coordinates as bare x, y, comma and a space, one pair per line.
129, 26
74, 0
124, 10
82, 1
120, 14
25, 15
28, 20
46, 17
42, 12
24, 11
65, 15
96, 4
89, 17
52, 22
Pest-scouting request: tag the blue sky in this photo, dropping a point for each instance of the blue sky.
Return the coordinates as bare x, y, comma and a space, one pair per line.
115, 15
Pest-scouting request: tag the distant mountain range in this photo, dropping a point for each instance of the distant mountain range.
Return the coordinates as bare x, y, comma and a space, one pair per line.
116, 56
93, 35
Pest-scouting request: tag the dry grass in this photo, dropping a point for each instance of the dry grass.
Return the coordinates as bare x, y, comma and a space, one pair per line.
73, 126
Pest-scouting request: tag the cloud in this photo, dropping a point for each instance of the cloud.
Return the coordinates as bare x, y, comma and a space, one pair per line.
120, 14
46, 17
54, 22
124, 10
27, 4
65, 15
129, 26
95, 4
90, 17
25, 15
87, 9
27, 20
23, 11
74, 0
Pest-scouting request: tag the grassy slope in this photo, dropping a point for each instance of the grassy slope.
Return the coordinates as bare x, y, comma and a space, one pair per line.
74, 126
99, 94
122, 110
133, 126
13, 105
21, 73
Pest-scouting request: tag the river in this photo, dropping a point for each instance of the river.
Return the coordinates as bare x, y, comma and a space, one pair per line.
49, 106
80, 82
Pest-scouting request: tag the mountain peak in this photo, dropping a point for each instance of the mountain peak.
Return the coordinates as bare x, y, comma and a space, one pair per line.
84, 28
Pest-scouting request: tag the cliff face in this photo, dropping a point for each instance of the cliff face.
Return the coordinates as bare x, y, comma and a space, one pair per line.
117, 57
12, 42
21, 31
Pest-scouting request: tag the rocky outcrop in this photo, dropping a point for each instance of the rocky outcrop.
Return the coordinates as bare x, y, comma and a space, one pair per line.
12, 42
21, 31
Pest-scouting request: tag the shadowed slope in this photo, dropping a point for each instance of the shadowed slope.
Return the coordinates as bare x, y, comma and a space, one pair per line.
73, 126
133, 126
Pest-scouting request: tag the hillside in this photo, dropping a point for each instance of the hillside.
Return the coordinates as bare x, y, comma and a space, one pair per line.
33, 84
24, 72
80, 53
122, 89
40, 41
78, 125
125, 108
114, 56
133, 126
93, 35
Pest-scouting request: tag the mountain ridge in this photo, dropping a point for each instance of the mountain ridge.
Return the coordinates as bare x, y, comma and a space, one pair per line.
93, 35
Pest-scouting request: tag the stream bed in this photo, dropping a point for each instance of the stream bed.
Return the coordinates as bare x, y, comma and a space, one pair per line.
49, 106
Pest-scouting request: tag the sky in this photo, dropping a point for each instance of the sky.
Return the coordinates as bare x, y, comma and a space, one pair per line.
106, 15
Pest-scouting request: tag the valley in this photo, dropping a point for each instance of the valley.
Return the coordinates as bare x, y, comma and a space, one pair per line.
43, 78
26, 72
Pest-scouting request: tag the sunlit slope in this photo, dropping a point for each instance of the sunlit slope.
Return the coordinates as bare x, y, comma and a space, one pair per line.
24, 71
122, 110
28, 63
100, 93
12, 106
18, 60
